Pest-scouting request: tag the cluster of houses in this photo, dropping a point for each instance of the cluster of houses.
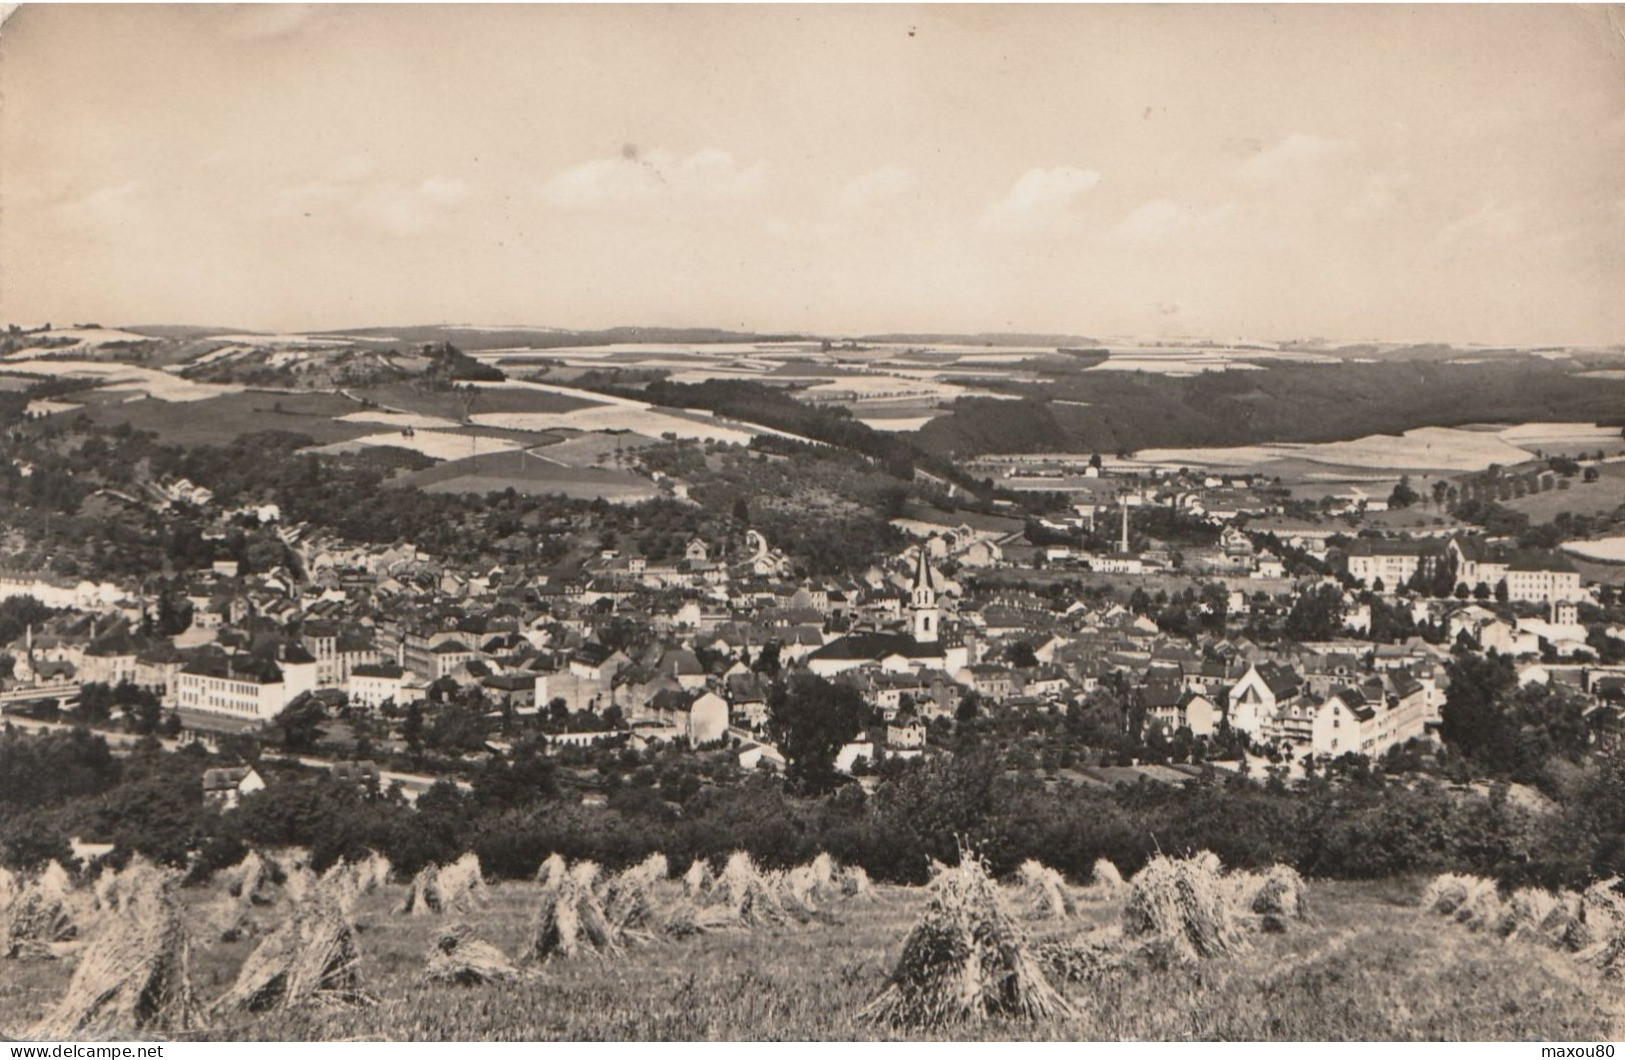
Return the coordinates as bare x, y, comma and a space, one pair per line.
685, 649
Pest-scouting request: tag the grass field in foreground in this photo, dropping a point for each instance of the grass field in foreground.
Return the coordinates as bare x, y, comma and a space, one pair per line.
1371, 966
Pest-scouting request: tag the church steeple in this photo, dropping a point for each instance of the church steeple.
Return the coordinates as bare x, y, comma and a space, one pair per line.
922, 605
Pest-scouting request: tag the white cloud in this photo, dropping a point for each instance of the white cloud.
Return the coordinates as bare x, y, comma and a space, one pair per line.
1291, 156
1042, 202
706, 178
875, 187
1161, 218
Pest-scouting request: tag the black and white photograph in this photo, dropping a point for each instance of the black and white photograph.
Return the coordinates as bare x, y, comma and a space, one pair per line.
811, 522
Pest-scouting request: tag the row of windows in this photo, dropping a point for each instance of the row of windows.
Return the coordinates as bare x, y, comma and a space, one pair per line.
219, 684
219, 703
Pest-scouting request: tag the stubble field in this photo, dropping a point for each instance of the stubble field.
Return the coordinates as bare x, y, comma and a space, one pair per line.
1369, 966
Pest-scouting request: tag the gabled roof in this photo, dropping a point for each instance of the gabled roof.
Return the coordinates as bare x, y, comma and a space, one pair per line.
680, 661
1282, 680
114, 642
877, 646
226, 778
1541, 561
235, 668
389, 670
592, 654
1372, 546
1354, 701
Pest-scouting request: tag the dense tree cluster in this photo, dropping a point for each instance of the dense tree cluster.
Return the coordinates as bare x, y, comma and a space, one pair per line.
1356, 823
1117, 412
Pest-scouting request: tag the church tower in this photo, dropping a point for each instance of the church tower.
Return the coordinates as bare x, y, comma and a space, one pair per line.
922, 604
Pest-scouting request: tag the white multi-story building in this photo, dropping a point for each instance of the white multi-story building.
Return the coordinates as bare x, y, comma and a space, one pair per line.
1394, 562
245, 689
370, 685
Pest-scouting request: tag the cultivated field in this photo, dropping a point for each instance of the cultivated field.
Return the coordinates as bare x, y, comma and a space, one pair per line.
219, 419
1581, 498
1369, 964
436, 445
448, 404
1436, 449
532, 473
1608, 549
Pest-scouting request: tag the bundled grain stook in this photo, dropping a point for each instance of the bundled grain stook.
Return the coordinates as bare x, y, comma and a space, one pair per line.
966, 958
700, 907
1105, 877
40, 916
1598, 936
246, 888
458, 955
746, 895
105, 892
1280, 897
342, 883
9, 890
698, 881
1447, 891
1558, 923
1529, 911
628, 896
571, 918
1045, 891
819, 880
298, 882
112, 887
462, 885
816, 881
423, 895
793, 893
311, 957
1471, 900
1481, 909
799, 888
1180, 907
854, 883
372, 872
552, 871
136, 976
250, 881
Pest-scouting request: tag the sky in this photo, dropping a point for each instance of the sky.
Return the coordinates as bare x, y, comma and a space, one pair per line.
1450, 173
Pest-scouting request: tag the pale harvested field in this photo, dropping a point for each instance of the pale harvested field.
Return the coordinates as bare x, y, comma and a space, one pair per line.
1608, 549
1369, 966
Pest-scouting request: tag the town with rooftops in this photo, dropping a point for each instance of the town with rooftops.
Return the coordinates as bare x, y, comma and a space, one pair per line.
1101, 621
